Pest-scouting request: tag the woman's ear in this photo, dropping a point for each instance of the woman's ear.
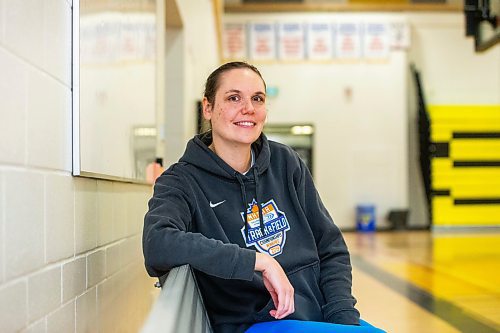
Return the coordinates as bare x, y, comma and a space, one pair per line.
207, 109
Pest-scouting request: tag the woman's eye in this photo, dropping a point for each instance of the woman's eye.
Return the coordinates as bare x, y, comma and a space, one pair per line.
234, 98
259, 99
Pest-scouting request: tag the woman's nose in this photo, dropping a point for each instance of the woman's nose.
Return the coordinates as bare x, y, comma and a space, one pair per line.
248, 107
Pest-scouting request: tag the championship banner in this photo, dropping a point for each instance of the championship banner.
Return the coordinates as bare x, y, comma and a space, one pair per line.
319, 41
376, 41
399, 35
234, 41
291, 41
262, 41
348, 40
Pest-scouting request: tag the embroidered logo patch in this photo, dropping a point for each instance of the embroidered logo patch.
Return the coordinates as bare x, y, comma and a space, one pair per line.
272, 239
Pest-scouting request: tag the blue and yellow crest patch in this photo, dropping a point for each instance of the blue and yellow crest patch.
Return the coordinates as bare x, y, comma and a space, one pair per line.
272, 239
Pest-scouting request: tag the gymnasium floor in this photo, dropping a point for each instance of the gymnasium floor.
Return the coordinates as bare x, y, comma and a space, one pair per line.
413, 281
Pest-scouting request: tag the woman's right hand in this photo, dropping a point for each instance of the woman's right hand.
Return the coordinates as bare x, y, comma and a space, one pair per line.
277, 284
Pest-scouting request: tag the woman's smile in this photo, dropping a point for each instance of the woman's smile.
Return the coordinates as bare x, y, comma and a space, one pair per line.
245, 124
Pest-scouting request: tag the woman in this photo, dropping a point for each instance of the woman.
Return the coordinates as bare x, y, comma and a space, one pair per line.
244, 213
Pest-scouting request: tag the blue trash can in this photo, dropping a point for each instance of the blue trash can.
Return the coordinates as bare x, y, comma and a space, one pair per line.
365, 218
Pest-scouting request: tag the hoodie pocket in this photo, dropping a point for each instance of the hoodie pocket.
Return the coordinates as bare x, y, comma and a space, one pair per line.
308, 297
263, 314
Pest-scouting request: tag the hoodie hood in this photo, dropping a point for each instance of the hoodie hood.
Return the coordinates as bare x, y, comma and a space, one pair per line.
198, 154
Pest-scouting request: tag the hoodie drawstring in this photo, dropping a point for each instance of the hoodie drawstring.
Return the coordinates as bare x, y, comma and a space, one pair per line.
245, 202
261, 218
244, 197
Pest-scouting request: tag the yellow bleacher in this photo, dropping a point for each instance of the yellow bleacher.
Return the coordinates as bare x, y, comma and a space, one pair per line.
468, 179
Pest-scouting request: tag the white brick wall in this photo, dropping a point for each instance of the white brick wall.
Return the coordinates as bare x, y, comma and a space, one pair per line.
85, 214
13, 89
48, 122
44, 292
104, 213
86, 311
96, 267
2, 227
74, 278
59, 217
39, 326
70, 248
24, 31
58, 31
14, 306
23, 237
63, 319
1, 21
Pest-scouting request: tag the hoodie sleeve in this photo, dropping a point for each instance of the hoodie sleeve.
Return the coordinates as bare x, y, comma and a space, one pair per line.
335, 266
167, 241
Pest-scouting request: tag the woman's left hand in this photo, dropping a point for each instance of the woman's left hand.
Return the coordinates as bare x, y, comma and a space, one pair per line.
277, 284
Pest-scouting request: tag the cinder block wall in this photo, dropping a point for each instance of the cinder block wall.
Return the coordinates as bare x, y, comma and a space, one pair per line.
70, 248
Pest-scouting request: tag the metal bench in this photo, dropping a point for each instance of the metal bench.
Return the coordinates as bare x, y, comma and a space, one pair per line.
179, 307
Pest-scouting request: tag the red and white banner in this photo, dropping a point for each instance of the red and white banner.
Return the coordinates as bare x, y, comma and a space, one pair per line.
319, 41
291, 41
347, 40
262, 41
376, 41
234, 41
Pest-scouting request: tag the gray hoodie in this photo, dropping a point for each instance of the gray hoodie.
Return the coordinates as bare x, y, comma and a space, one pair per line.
196, 216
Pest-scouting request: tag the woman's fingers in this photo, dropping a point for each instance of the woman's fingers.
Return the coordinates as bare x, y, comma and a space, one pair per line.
285, 299
281, 306
274, 295
277, 284
286, 304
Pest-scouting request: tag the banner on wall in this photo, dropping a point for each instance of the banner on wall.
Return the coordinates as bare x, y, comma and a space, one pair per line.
375, 41
111, 38
319, 40
399, 35
234, 41
347, 40
291, 41
262, 41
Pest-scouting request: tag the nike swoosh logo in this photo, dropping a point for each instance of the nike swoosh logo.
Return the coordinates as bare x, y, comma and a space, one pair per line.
213, 205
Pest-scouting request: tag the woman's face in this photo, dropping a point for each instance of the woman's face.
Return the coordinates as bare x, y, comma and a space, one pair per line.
239, 110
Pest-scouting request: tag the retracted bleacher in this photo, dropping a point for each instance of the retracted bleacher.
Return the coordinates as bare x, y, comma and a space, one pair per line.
465, 165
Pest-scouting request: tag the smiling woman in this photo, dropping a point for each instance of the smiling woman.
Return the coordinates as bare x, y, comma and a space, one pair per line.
236, 111
244, 213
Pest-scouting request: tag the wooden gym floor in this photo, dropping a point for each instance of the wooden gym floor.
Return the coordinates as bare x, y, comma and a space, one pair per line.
419, 281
